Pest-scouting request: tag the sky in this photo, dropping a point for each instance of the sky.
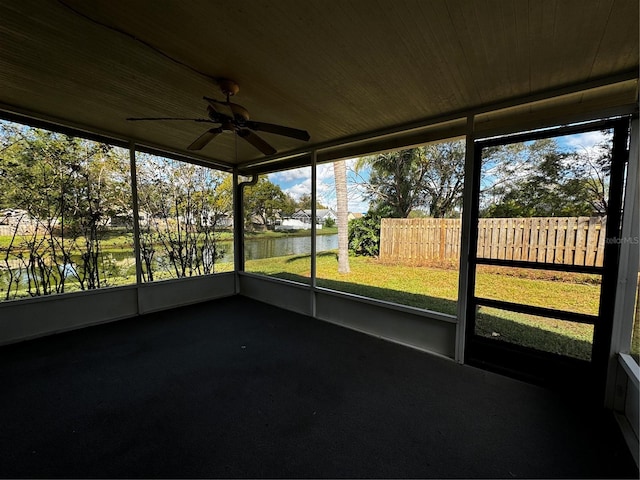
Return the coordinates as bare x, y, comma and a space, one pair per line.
582, 141
298, 181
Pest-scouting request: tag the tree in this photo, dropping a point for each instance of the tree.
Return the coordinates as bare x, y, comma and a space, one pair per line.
591, 169
395, 181
69, 188
443, 178
266, 200
342, 207
182, 205
429, 177
548, 183
304, 203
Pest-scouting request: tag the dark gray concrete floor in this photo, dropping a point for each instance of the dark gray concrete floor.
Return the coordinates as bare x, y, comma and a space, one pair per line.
237, 388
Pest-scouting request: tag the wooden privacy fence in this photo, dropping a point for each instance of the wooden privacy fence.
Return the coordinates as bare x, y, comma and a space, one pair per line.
560, 240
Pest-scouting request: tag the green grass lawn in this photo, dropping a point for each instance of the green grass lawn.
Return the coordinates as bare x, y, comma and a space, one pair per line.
430, 288
420, 286
436, 289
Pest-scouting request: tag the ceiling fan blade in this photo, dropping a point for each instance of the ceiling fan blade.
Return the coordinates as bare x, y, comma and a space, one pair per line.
279, 130
213, 101
204, 139
256, 141
169, 118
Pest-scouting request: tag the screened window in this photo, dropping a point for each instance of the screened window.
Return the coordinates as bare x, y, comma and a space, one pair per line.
278, 223
403, 212
65, 213
186, 218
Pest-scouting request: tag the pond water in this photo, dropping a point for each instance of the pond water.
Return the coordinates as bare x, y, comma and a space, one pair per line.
257, 248
277, 247
254, 249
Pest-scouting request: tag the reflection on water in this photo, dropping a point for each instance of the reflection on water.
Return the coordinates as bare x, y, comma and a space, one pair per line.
256, 249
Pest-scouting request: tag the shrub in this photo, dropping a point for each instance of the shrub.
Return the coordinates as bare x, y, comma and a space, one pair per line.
364, 235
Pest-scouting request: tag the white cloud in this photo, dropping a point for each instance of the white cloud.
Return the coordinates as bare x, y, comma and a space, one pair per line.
324, 171
584, 141
296, 191
586, 145
290, 175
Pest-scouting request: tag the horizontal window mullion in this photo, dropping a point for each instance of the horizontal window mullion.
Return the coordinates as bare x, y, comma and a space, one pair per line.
538, 311
558, 267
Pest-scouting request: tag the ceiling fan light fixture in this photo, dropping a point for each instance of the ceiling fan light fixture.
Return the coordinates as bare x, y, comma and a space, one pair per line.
236, 121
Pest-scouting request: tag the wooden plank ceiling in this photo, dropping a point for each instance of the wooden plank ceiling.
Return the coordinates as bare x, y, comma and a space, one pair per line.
336, 69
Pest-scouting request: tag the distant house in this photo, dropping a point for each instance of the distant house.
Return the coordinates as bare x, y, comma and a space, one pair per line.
125, 219
224, 221
354, 215
301, 219
322, 214
15, 220
14, 216
219, 220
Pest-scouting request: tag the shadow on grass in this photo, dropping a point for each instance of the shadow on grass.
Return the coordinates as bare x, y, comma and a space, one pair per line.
296, 258
490, 326
324, 254
509, 331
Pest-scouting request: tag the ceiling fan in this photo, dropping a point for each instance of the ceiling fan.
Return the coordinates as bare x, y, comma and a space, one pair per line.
235, 119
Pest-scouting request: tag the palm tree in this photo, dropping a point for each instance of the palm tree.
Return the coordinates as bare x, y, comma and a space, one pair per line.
340, 175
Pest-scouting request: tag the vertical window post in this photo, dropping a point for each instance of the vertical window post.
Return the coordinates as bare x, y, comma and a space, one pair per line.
134, 208
314, 158
465, 240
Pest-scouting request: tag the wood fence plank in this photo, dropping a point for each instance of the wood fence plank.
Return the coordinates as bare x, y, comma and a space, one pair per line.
526, 239
481, 234
442, 245
552, 233
509, 239
581, 241
602, 235
502, 246
534, 227
560, 240
592, 242
426, 246
517, 239
495, 238
570, 241
431, 238
384, 242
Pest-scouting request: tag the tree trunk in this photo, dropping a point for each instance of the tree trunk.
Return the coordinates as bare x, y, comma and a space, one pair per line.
340, 174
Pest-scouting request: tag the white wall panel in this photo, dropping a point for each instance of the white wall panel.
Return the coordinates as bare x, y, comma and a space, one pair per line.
184, 291
283, 294
36, 317
435, 334
428, 331
628, 402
